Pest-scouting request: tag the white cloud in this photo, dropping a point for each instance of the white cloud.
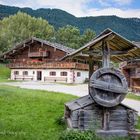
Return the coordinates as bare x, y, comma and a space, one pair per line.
115, 11
81, 7
76, 7
108, 3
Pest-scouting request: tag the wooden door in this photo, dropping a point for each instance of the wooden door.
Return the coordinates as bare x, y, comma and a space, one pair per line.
39, 75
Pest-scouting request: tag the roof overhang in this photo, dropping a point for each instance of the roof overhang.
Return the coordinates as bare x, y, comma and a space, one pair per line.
28, 42
121, 49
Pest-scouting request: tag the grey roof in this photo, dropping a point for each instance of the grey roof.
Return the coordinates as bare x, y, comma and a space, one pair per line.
55, 45
136, 43
80, 102
86, 101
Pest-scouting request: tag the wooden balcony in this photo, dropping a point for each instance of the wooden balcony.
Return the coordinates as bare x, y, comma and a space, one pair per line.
38, 54
53, 65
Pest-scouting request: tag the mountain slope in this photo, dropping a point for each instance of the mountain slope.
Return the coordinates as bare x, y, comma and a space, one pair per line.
127, 27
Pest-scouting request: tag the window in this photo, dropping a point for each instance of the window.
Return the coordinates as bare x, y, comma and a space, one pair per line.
63, 73
138, 70
16, 72
25, 72
33, 72
78, 74
52, 73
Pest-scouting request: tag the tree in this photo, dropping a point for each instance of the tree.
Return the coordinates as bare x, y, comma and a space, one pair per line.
21, 26
70, 36
87, 36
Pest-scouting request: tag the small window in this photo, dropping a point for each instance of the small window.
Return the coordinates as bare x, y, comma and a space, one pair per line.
78, 74
25, 72
138, 70
63, 73
16, 72
52, 73
33, 72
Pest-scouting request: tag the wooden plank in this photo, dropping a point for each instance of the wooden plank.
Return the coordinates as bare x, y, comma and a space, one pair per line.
91, 63
106, 54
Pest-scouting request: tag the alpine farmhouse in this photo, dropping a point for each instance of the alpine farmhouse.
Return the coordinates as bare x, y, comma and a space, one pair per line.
131, 70
39, 60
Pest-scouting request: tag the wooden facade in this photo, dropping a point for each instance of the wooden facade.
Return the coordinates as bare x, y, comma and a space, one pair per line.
85, 114
35, 51
131, 70
36, 59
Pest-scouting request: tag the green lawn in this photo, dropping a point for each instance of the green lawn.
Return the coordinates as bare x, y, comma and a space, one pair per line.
4, 73
30, 114
133, 96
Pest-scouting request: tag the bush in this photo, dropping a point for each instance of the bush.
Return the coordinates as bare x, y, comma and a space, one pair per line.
60, 121
4, 72
85, 135
78, 135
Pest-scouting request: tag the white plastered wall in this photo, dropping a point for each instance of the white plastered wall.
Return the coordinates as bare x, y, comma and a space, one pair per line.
71, 74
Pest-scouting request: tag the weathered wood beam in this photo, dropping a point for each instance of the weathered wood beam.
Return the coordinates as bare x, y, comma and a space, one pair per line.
118, 52
24, 45
106, 54
32, 40
42, 44
91, 63
110, 37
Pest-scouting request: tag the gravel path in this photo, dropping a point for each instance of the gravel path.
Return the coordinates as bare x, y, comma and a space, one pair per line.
78, 90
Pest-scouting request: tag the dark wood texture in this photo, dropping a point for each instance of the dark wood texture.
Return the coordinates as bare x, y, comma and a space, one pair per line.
108, 87
106, 54
131, 70
85, 114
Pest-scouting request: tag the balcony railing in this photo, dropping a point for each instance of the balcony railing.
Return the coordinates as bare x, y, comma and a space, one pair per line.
53, 65
38, 54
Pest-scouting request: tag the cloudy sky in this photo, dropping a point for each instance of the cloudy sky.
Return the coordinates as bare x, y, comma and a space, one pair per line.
121, 8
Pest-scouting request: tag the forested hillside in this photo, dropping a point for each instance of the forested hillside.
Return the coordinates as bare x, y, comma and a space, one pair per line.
128, 27
21, 26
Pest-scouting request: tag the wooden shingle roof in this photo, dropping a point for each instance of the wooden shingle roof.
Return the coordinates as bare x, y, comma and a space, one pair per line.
26, 43
84, 102
121, 49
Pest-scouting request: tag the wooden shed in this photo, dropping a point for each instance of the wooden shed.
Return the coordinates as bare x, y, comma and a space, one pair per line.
85, 114
102, 110
121, 49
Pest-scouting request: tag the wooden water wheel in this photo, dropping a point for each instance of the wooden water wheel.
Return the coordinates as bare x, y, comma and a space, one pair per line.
108, 87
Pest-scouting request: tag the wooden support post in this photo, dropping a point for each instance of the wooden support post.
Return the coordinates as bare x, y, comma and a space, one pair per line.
42, 44
91, 63
32, 40
106, 54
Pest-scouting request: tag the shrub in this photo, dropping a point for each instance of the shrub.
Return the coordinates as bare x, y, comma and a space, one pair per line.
60, 121
4, 72
78, 135
85, 135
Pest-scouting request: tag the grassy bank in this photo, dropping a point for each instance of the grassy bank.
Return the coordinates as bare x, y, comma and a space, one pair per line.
133, 96
30, 114
4, 73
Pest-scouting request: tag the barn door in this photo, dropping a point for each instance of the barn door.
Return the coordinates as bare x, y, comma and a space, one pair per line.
39, 75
